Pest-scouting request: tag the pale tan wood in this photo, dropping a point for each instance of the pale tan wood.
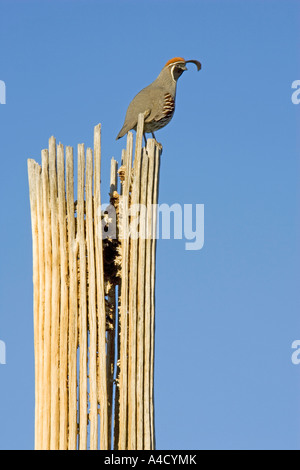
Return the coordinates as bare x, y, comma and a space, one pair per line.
134, 242
141, 303
148, 287
69, 300
153, 277
34, 195
111, 291
118, 323
124, 297
116, 410
110, 360
100, 292
73, 301
64, 300
93, 414
48, 301
41, 314
83, 335
55, 299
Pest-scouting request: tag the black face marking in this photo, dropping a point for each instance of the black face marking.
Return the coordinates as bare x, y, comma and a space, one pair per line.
177, 71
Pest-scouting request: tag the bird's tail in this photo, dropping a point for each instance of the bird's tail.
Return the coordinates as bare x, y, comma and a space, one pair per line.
121, 133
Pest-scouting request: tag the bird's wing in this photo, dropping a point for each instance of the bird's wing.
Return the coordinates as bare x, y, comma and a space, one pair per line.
157, 99
149, 101
139, 104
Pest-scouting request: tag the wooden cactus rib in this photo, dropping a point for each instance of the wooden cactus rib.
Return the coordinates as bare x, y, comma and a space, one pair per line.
124, 298
141, 303
55, 299
82, 300
64, 300
46, 395
111, 334
100, 293
94, 319
92, 304
148, 290
152, 316
34, 183
133, 275
72, 249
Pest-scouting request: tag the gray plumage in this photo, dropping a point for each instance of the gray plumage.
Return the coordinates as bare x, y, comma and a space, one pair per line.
157, 100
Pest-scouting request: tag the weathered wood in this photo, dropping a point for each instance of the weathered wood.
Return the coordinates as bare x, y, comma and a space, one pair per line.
48, 301
148, 293
124, 295
133, 275
55, 298
33, 177
83, 333
111, 292
118, 334
153, 277
41, 311
100, 293
73, 301
64, 300
141, 302
79, 404
92, 304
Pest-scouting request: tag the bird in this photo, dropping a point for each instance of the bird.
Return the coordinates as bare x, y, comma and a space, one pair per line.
157, 101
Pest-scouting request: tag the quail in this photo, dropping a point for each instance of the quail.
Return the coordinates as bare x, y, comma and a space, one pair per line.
157, 100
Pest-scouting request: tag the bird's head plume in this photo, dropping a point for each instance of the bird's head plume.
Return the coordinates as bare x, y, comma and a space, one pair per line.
177, 66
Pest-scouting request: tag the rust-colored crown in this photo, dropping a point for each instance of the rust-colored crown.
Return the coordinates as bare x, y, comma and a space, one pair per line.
173, 61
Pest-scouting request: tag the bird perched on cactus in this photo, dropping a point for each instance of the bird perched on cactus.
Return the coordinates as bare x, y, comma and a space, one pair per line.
157, 100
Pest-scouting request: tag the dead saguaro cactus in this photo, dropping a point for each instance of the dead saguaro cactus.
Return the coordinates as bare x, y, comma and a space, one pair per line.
94, 296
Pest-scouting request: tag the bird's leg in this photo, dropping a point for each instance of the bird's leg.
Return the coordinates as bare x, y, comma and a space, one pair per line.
145, 139
156, 140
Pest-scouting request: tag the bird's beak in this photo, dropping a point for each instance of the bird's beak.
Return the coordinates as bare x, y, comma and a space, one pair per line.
196, 62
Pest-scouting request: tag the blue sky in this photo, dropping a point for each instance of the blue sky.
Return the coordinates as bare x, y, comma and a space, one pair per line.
227, 314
